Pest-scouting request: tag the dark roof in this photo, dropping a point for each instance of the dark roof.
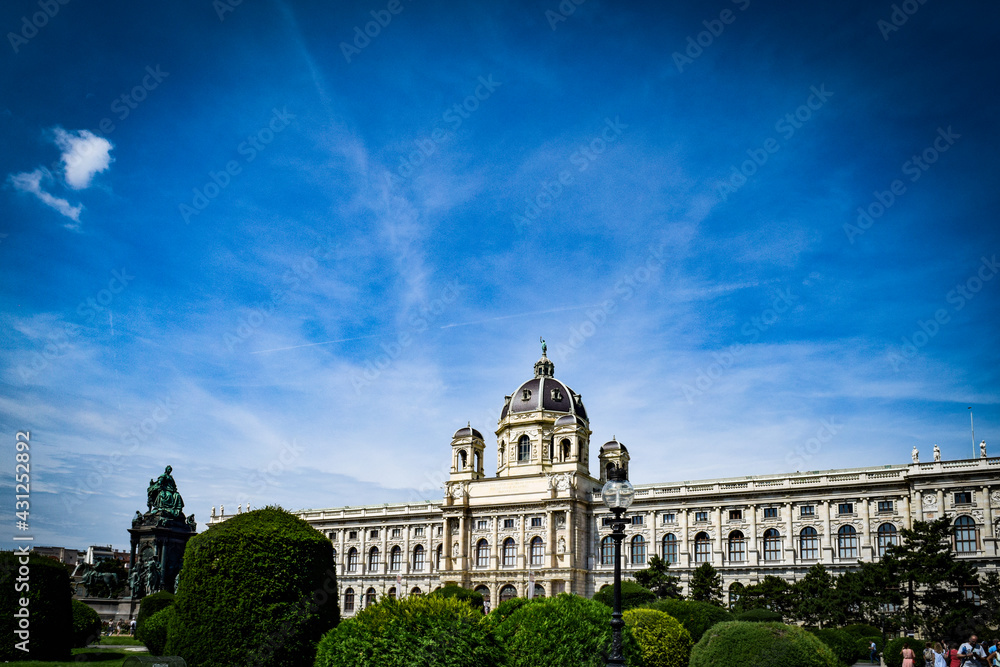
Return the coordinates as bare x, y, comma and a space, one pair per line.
466, 431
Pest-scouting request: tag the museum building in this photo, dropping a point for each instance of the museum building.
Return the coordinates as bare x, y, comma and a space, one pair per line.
537, 527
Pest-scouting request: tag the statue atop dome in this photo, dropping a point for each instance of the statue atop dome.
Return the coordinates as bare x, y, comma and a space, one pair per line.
545, 348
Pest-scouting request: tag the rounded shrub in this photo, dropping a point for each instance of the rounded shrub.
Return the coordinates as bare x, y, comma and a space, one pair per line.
257, 589
564, 631
428, 631
633, 595
862, 630
843, 645
49, 635
156, 627
759, 616
893, 653
150, 605
662, 640
742, 644
862, 647
696, 617
472, 598
502, 611
86, 625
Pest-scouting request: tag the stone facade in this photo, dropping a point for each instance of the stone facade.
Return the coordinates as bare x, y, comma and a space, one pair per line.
537, 527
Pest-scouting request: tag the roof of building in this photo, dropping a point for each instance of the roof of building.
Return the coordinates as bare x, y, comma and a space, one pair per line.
544, 392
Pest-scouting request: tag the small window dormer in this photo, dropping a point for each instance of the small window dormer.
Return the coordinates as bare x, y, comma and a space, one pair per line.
525, 394
557, 395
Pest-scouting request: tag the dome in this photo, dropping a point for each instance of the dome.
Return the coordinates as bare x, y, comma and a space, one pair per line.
467, 431
613, 446
544, 392
569, 420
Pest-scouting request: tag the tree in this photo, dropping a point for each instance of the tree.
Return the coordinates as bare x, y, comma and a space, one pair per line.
706, 585
814, 598
656, 579
933, 582
633, 595
771, 592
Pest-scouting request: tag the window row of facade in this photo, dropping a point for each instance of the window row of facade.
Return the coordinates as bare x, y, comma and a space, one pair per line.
374, 533
417, 559
508, 552
353, 601
847, 546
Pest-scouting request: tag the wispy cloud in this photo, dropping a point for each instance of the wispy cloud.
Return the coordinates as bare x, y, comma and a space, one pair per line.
31, 182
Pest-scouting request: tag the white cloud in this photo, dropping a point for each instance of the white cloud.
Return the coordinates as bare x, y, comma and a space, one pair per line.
32, 183
84, 154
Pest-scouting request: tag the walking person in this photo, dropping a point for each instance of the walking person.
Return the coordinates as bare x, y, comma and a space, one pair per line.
939, 660
873, 649
908, 656
972, 653
954, 659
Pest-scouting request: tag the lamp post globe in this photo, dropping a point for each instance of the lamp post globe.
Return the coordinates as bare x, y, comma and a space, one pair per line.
618, 494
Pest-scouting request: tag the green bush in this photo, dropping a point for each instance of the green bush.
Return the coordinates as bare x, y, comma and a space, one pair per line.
843, 645
150, 605
472, 598
564, 631
759, 616
502, 611
428, 631
633, 595
893, 651
662, 640
50, 620
86, 625
696, 617
742, 644
155, 633
862, 630
258, 589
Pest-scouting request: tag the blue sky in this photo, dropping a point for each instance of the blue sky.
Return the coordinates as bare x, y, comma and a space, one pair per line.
290, 259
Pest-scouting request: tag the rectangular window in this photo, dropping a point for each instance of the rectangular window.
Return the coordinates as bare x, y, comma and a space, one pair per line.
845, 508
373, 534
440, 530
807, 510
396, 532
482, 524
735, 515
536, 522
963, 498
670, 517
418, 531
353, 535
349, 600
884, 506
636, 519
701, 516
508, 523
770, 512
333, 535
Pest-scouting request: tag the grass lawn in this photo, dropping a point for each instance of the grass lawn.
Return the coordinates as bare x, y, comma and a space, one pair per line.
119, 640
108, 657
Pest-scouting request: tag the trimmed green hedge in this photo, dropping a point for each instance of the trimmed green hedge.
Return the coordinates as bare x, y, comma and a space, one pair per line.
742, 644
696, 617
662, 640
151, 605
428, 631
843, 645
893, 651
86, 624
472, 598
862, 630
259, 589
759, 616
155, 635
45, 584
502, 611
633, 595
564, 631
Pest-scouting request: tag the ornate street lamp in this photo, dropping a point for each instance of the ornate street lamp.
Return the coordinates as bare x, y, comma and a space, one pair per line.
617, 494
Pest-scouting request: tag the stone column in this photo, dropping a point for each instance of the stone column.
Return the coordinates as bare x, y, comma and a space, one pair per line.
720, 540
495, 546
407, 563
383, 552
791, 545
906, 511
463, 542
866, 530
918, 498
572, 548
341, 554
753, 558
521, 560
827, 541
940, 504
550, 525
683, 552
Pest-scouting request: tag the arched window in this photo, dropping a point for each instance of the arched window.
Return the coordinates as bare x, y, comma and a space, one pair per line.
607, 551
735, 590
539, 591
334, 556
552, 449
537, 551
523, 449
370, 597
508, 592
352, 560
567, 450
607, 470
503, 449
847, 542
702, 548
463, 459
485, 592
373, 560
418, 558
392, 593
737, 547
772, 545
479, 461
670, 548
482, 553
416, 591
887, 537
808, 544
637, 550
395, 559
438, 556
965, 535
349, 599
509, 553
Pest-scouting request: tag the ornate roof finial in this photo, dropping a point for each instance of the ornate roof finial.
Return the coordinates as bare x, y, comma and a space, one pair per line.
545, 348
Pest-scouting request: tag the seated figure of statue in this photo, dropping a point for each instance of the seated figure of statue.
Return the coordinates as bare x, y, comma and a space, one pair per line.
168, 501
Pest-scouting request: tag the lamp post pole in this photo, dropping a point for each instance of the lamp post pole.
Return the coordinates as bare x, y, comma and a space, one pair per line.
618, 535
